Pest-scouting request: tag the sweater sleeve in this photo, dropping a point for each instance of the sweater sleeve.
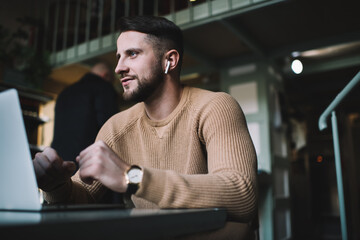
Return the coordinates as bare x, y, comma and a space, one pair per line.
232, 164
76, 191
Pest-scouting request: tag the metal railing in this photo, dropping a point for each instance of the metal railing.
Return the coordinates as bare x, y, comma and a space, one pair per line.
81, 29
322, 125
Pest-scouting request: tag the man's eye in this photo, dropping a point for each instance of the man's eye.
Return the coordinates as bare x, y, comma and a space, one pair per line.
133, 54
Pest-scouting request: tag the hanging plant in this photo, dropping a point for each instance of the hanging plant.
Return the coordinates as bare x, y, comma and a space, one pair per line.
20, 58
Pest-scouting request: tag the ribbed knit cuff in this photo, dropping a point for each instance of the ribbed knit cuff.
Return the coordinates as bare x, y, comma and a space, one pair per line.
60, 195
153, 185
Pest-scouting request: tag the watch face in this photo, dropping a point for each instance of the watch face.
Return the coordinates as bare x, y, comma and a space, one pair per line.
135, 175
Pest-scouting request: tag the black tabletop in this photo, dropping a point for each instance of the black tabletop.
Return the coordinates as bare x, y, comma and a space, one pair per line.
109, 224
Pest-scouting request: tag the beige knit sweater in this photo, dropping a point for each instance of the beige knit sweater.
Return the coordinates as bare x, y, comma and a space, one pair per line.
200, 156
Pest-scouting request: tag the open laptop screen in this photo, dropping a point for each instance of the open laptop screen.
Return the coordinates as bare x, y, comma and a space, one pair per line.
18, 184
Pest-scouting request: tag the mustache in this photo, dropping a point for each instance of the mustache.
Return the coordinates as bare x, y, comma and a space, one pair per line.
123, 75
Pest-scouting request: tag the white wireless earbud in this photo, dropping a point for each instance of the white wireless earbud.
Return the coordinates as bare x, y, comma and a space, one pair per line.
167, 67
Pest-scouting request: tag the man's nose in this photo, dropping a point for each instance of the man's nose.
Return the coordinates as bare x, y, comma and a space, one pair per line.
121, 67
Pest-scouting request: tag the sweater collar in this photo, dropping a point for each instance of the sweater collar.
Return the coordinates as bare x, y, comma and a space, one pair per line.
173, 114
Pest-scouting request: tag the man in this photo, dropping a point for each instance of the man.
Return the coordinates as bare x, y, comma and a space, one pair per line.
81, 109
178, 147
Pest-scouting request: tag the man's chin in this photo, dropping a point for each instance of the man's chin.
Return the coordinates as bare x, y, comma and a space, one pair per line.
127, 97
128, 93
132, 97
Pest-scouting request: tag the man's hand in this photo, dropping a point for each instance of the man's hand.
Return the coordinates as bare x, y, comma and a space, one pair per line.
51, 170
99, 162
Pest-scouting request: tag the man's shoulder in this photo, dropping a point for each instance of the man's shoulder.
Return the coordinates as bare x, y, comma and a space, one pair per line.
121, 122
200, 96
128, 116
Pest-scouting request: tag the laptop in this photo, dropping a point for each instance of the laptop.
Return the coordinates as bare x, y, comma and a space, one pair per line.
18, 185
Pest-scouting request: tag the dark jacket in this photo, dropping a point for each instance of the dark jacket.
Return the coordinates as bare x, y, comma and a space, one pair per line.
81, 109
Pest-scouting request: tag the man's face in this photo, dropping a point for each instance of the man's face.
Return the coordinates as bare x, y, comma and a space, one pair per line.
138, 66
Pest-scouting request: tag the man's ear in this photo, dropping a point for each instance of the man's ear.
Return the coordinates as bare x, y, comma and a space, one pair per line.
171, 60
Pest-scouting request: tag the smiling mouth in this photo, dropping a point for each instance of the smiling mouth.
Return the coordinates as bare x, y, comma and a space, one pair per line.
126, 80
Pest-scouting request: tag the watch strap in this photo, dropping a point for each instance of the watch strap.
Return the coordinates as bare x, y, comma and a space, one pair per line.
132, 188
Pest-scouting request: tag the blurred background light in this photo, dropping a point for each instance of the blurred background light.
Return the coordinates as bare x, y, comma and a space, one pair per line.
297, 66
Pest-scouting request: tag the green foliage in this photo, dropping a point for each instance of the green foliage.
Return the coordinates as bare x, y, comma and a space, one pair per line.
16, 54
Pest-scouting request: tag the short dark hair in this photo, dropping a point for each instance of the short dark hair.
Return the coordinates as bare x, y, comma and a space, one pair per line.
163, 33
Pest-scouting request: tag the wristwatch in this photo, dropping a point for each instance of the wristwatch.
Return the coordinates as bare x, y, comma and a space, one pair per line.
133, 179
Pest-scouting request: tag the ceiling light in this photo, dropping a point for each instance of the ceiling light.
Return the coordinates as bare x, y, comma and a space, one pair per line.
297, 66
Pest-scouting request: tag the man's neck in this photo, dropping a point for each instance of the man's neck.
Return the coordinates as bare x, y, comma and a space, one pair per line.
164, 101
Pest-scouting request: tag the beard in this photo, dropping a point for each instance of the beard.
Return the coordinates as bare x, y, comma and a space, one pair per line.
146, 86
